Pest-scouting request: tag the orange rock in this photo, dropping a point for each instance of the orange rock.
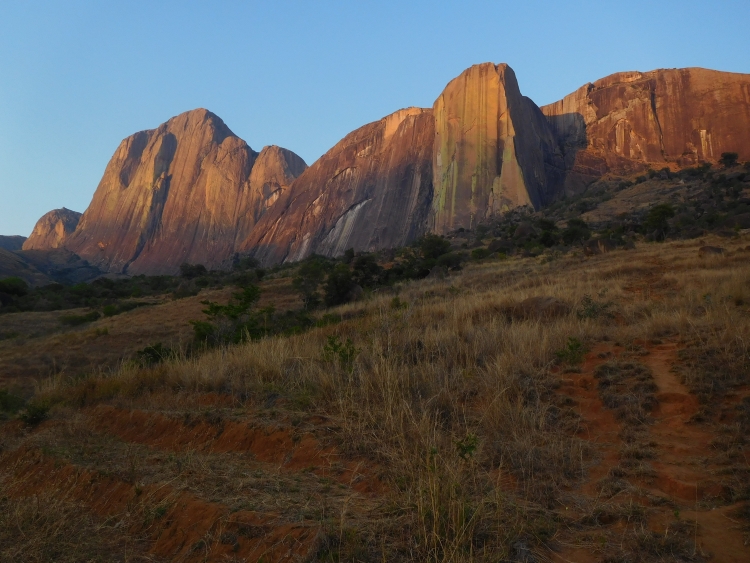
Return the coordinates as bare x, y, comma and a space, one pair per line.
184, 192
629, 121
372, 190
52, 230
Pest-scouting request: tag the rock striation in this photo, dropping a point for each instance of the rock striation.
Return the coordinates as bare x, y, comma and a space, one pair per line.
631, 120
52, 230
372, 190
493, 149
184, 192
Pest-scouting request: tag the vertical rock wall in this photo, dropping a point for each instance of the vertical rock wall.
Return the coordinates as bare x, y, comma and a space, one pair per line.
493, 150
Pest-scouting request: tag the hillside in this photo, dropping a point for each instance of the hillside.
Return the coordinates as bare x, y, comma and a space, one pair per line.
558, 407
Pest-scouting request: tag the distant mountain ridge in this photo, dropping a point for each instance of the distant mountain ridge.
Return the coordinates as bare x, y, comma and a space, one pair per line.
192, 191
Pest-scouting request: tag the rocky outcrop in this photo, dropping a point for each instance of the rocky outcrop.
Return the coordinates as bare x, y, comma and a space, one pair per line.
493, 149
184, 192
372, 190
629, 121
52, 230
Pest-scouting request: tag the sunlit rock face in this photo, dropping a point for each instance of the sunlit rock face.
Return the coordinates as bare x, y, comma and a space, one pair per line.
184, 192
52, 230
372, 190
632, 120
493, 149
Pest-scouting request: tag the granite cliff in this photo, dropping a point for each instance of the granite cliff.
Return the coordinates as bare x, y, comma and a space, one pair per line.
629, 121
52, 230
493, 149
184, 192
481, 150
192, 191
372, 190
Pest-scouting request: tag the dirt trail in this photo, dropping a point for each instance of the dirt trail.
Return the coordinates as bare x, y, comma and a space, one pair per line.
684, 475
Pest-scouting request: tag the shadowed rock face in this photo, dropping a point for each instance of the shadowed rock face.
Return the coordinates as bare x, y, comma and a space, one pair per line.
184, 192
372, 190
52, 230
630, 120
493, 149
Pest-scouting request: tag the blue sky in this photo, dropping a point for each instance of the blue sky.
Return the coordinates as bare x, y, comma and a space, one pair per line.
77, 77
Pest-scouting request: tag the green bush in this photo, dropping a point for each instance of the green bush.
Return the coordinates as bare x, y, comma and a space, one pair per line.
576, 231
729, 159
338, 286
306, 282
10, 403
35, 413
573, 353
233, 322
480, 253
14, 286
658, 218
342, 352
76, 320
433, 246
155, 354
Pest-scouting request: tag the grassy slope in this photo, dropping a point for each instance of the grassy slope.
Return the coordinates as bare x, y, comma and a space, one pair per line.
455, 434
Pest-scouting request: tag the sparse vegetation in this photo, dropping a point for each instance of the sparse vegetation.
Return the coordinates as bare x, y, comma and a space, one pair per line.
420, 422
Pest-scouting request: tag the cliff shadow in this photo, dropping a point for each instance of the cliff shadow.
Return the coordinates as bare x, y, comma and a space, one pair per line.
581, 166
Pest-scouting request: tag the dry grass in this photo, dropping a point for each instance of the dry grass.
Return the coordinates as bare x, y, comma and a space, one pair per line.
452, 404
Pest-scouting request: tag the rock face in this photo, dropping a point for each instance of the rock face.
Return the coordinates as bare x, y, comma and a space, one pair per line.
372, 190
184, 192
631, 120
192, 191
493, 149
52, 230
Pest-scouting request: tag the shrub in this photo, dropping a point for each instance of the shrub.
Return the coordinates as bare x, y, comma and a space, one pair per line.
155, 354
576, 231
230, 323
434, 246
338, 286
35, 413
308, 279
14, 286
452, 260
479, 253
190, 271
342, 352
76, 320
591, 309
573, 352
729, 159
9, 402
658, 219
366, 272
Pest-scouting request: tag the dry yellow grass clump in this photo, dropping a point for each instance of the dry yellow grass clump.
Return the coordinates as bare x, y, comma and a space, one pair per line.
445, 420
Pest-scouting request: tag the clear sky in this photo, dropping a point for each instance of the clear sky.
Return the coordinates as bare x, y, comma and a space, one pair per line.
77, 77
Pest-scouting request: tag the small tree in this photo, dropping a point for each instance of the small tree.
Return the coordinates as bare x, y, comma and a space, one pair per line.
576, 231
338, 286
308, 279
434, 246
658, 219
729, 159
230, 323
